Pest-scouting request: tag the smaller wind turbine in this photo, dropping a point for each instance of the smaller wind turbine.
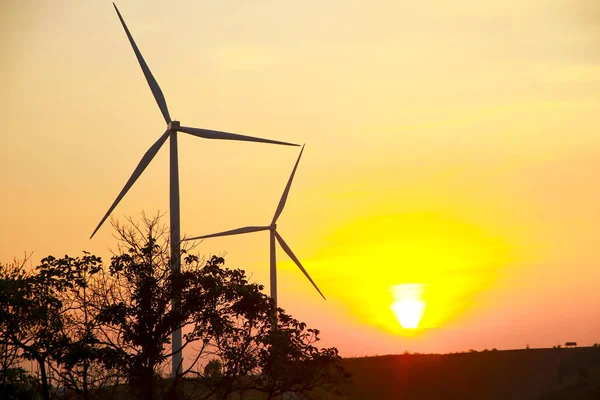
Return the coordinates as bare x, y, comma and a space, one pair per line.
273, 234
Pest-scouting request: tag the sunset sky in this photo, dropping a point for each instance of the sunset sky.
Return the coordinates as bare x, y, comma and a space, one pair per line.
452, 154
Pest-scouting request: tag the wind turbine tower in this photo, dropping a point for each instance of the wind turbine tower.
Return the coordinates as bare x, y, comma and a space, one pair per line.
173, 127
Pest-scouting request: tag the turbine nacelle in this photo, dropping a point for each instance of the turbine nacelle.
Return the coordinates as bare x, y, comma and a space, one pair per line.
173, 126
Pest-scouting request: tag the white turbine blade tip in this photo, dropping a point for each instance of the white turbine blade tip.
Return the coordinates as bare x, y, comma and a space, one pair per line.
212, 134
144, 162
291, 254
238, 231
154, 87
286, 191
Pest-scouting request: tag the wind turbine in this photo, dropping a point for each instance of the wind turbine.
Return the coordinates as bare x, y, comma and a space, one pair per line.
273, 235
171, 133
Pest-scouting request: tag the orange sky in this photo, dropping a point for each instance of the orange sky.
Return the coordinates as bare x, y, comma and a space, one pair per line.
449, 145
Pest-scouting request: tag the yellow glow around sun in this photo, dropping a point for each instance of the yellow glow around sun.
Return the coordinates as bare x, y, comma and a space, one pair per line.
415, 270
408, 306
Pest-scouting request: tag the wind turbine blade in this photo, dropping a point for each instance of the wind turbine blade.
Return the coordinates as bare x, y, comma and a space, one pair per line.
247, 229
210, 134
136, 174
289, 252
286, 191
158, 94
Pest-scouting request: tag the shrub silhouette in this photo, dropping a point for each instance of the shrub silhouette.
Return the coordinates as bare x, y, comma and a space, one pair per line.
125, 314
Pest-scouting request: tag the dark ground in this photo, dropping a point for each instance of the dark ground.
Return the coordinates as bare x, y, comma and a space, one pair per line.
542, 374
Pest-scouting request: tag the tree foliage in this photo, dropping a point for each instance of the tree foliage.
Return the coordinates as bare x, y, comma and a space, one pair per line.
93, 326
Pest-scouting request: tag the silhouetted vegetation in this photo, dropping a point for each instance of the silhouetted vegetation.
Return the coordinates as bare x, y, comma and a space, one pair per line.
91, 328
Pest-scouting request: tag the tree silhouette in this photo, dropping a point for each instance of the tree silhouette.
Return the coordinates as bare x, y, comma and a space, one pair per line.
93, 326
227, 322
32, 314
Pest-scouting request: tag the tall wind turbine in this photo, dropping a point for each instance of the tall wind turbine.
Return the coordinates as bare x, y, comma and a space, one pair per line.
171, 133
273, 234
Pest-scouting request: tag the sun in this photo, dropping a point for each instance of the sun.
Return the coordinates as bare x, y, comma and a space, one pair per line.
409, 312
408, 306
